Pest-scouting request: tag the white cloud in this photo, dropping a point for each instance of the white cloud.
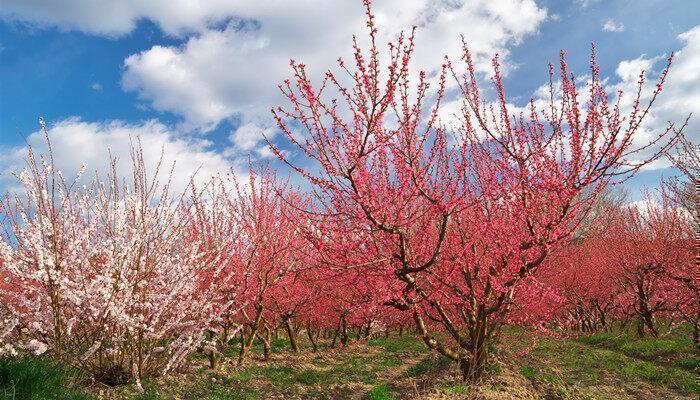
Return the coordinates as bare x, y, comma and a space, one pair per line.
247, 136
96, 87
75, 142
587, 3
250, 137
234, 71
629, 70
118, 18
680, 95
613, 26
679, 98
235, 53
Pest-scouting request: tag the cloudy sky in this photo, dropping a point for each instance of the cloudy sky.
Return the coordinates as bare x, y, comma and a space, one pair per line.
198, 78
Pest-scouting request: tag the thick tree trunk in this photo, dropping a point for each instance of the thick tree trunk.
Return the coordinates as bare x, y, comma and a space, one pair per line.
335, 337
291, 333
474, 365
474, 368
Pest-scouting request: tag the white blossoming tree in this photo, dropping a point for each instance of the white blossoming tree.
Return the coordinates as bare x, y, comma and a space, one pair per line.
104, 276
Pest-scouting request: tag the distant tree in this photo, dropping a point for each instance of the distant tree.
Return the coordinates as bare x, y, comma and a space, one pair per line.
646, 248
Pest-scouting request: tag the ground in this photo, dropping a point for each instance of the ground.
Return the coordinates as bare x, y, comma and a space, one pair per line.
602, 366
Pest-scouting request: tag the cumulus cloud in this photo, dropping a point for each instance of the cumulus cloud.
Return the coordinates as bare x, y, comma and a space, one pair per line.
613, 26
75, 142
629, 70
679, 98
233, 71
681, 93
118, 18
250, 138
233, 54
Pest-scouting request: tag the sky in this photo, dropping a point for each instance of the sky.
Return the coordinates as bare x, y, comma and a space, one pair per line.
195, 81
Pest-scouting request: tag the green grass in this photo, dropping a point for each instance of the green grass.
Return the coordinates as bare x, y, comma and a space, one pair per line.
426, 365
672, 377
381, 392
312, 377
528, 372
689, 363
279, 376
455, 388
400, 344
37, 378
665, 362
555, 366
149, 393
641, 348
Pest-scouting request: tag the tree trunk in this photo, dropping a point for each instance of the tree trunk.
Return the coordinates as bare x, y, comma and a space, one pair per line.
368, 330
344, 339
335, 338
312, 339
648, 321
242, 352
292, 335
473, 368
212, 353
246, 344
266, 343
474, 365
224, 338
640, 328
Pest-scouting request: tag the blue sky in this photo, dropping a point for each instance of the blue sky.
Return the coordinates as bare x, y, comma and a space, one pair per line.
199, 80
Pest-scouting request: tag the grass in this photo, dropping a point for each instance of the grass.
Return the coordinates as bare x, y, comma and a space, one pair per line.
455, 388
689, 363
641, 348
668, 362
426, 365
400, 344
37, 378
381, 392
528, 372
601, 366
668, 376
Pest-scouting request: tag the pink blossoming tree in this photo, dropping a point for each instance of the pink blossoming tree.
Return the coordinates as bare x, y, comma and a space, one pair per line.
460, 217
